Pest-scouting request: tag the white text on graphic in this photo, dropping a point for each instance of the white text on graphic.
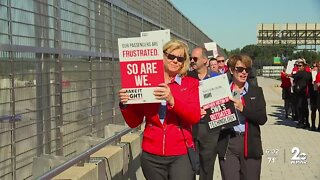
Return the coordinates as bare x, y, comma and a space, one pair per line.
141, 73
298, 158
225, 120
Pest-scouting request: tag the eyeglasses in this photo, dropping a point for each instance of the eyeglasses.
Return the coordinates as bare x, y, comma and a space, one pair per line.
172, 57
299, 65
195, 59
219, 61
240, 69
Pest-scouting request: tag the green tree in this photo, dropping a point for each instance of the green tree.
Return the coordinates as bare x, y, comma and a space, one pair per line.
263, 55
309, 56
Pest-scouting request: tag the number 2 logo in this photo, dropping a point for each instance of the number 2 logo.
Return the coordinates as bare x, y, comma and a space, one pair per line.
297, 155
295, 151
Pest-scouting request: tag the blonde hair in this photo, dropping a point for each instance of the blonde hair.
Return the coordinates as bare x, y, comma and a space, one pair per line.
180, 45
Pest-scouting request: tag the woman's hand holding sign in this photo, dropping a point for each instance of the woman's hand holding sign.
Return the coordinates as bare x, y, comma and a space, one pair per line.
237, 103
203, 112
163, 92
123, 95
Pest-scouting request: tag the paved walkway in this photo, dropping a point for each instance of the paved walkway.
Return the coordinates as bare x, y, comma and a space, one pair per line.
280, 138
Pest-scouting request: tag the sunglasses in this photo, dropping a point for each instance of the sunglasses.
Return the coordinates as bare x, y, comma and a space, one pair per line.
195, 59
299, 65
172, 57
219, 61
240, 69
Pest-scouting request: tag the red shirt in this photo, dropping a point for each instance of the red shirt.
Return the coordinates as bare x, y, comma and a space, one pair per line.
318, 80
295, 70
285, 81
166, 139
308, 69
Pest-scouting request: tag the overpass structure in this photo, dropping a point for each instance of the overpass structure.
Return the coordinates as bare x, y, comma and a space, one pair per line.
307, 35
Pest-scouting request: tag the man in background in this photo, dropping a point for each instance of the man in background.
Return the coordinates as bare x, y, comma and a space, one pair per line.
205, 140
213, 65
221, 65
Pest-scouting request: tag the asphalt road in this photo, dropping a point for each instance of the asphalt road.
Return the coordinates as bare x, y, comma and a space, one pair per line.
289, 153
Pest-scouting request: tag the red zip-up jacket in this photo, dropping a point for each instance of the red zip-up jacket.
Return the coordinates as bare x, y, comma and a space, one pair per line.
167, 139
285, 81
318, 80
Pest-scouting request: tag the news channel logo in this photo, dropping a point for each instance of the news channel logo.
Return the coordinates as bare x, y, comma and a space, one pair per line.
275, 155
298, 157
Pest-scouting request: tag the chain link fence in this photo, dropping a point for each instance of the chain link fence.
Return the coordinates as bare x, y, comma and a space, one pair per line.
59, 71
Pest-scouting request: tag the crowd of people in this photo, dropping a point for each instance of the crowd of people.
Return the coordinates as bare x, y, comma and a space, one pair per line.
300, 91
174, 127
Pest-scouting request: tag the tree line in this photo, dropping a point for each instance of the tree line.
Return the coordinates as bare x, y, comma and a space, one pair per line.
263, 55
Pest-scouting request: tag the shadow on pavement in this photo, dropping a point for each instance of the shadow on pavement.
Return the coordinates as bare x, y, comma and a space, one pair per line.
280, 118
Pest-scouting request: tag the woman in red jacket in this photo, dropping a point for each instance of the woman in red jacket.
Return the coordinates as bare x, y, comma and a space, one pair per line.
164, 145
286, 91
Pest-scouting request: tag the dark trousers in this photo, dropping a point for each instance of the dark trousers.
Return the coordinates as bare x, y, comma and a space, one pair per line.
286, 96
207, 144
236, 166
156, 167
315, 106
294, 100
303, 111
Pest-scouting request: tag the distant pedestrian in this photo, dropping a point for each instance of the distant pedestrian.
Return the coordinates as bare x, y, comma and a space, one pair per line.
213, 65
252, 77
286, 91
302, 82
315, 106
221, 64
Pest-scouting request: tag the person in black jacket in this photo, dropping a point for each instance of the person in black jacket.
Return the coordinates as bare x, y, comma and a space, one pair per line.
252, 77
239, 148
302, 81
206, 141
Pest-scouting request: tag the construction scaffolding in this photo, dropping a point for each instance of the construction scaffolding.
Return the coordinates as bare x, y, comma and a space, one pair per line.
307, 35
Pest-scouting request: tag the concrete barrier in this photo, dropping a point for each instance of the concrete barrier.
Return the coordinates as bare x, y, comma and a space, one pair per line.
44, 163
88, 171
134, 139
112, 129
86, 142
134, 167
113, 162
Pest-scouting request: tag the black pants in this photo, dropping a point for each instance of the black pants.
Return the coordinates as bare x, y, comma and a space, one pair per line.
303, 111
236, 166
207, 144
156, 167
286, 96
315, 106
294, 100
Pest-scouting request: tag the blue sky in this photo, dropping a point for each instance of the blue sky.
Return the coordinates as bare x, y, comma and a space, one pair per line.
233, 23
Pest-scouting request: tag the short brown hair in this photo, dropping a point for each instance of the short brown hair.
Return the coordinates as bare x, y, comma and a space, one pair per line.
245, 59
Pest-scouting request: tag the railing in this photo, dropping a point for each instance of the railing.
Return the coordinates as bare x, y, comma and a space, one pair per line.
57, 170
59, 71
